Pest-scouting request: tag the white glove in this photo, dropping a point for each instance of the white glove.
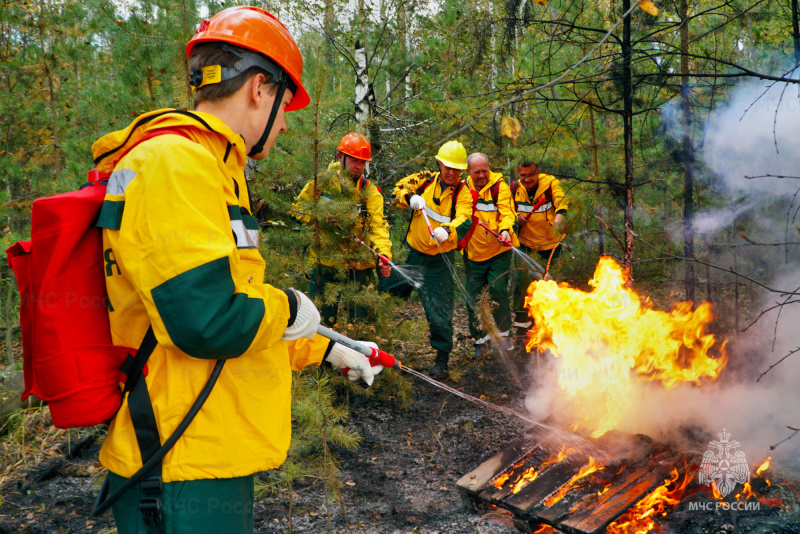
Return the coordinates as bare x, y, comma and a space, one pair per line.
416, 203
358, 364
307, 320
440, 234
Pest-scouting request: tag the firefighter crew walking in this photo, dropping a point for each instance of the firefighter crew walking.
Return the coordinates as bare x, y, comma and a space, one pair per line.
348, 208
444, 201
541, 215
181, 246
488, 255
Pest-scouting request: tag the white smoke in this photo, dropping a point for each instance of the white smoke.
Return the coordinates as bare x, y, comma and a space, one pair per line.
757, 133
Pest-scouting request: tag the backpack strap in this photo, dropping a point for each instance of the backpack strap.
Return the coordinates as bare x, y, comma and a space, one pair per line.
456, 190
496, 192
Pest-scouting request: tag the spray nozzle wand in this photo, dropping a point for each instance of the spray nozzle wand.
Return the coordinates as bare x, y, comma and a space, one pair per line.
428, 222
377, 254
503, 241
375, 356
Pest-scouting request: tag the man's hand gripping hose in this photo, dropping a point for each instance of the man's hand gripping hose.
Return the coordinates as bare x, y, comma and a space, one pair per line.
357, 358
503, 240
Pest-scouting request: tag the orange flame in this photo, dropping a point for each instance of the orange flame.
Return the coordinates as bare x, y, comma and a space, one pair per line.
499, 481
611, 333
639, 519
528, 476
747, 491
585, 471
763, 467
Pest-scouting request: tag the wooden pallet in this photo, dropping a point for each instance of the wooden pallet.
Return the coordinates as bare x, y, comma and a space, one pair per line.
592, 502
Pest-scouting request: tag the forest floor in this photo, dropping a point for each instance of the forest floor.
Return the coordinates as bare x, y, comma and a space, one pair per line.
402, 478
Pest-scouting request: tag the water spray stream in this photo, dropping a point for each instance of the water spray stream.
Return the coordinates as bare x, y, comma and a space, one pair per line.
402, 270
379, 357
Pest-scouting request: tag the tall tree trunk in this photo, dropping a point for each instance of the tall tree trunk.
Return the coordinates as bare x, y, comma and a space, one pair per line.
404, 17
627, 119
329, 25
796, 32
600, 228
688, 157
361, 100
185, 58
51, 90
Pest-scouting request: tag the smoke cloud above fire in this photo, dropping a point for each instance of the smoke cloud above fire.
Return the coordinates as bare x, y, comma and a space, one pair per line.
756, 133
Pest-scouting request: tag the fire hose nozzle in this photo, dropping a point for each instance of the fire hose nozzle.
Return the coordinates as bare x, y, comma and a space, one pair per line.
506, 242
375, 356
385, 260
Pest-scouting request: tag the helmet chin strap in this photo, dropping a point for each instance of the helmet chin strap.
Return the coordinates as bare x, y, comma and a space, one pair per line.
258, 147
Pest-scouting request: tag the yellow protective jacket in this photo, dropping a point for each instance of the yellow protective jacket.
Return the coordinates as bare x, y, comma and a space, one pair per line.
497, 216
367, 202
539, 233
181, 253
438, 208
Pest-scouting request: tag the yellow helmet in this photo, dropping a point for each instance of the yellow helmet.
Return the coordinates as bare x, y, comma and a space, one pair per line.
453, 155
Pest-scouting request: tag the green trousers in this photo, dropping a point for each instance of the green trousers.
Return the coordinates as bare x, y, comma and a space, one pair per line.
494, 274
327, 275
524, 277
208, 506
437, 294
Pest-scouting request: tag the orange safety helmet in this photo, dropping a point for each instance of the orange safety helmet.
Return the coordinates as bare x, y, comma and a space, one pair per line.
257, 30
356, 145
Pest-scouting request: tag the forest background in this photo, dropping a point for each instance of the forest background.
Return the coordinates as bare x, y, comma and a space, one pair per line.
674, 130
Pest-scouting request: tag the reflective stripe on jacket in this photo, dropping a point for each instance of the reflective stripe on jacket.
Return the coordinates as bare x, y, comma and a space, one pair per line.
539, 232
483, 245
438, 208
181, 253
330, 190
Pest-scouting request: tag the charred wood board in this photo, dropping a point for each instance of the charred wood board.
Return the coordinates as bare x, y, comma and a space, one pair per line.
591, 503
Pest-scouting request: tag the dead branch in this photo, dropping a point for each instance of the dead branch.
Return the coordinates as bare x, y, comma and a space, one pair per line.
771, 367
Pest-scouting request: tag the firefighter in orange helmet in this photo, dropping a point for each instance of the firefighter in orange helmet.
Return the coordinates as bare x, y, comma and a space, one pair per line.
349, 209
178, 225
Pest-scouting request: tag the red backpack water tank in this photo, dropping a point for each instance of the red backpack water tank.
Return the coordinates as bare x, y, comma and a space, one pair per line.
69, 360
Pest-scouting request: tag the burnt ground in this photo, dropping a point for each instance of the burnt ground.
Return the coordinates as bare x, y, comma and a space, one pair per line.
401, 479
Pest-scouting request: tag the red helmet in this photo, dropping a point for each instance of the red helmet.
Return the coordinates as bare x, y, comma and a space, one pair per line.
257, 30
356, 145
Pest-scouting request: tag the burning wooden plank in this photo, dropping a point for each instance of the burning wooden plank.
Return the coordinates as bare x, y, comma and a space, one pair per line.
573, 493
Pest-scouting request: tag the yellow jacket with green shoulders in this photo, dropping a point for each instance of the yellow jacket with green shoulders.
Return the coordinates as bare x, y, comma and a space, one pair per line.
539, 233
367, 213
497, 216
438, 208
181, 254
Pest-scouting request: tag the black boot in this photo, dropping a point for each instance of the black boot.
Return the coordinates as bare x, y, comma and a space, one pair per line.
439, 369
480, 350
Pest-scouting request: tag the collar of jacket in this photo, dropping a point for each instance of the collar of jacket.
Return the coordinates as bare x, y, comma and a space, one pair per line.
544, 184
109, 149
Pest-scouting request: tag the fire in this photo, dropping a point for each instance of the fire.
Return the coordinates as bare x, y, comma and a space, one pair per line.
763, 467
611, 333
528, 476
639, 519
499, 481
585, 471
747, 491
